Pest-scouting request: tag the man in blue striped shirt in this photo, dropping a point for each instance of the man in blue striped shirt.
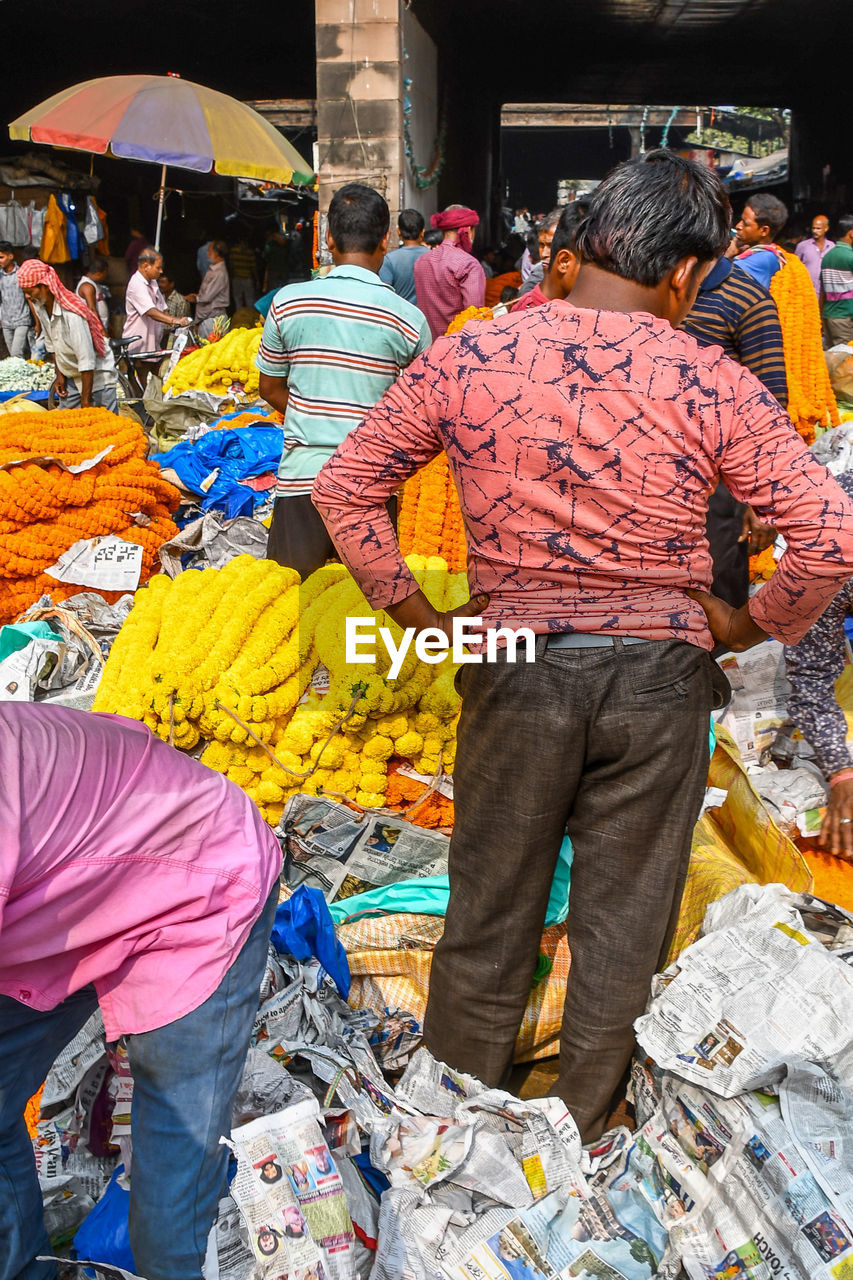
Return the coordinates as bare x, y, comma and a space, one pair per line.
330, 350
733, 311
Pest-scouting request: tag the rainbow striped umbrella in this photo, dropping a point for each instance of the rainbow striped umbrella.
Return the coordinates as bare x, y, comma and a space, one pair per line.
166, 121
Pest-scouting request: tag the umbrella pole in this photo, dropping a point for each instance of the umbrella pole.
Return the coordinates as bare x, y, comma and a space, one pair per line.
160, 203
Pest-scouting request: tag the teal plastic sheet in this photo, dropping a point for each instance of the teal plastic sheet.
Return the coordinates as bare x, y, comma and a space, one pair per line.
429, 895
17, 635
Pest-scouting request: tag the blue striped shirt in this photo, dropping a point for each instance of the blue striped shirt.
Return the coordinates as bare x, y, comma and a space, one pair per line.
340, 341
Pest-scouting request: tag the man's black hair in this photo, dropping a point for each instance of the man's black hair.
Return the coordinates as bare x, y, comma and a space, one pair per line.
6, 247
649, 213
769, 211
565, 230
434, 238
845, 224
410, 224
359, 219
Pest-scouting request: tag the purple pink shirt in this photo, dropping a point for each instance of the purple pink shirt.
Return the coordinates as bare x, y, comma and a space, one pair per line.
140, 296
448, 280
812, 257
123, 863
584, 446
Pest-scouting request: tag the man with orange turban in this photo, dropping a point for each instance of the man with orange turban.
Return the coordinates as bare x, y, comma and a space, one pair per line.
449, 279
74, 336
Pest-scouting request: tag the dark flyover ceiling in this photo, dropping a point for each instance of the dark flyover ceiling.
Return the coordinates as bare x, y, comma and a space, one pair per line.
246, 48
779, 52
743, 52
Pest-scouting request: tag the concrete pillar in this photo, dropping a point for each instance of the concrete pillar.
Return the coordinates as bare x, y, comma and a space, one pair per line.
360, 97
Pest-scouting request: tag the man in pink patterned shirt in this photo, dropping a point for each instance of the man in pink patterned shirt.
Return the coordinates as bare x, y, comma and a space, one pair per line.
585, 438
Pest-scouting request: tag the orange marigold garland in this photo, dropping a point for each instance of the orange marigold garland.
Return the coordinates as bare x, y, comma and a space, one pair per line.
45, 509
436, 810
430, 521
763, 566
470, 313
811, 401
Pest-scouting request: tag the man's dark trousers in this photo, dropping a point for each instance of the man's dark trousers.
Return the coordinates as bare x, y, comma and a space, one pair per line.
298, 539
613, 744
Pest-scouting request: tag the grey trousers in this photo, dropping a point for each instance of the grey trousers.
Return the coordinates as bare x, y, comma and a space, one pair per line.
613, 743
298, 539
104, 398
18, 339
838, 329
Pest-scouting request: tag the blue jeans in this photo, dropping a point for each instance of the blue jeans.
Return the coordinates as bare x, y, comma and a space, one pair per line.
185, 1078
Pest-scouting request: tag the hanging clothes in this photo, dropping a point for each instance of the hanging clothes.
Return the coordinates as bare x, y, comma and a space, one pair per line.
72, 231
103, 245
14, 223
91, 223
54, 246
35, 219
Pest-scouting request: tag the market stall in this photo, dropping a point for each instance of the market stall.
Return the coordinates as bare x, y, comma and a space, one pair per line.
135, 583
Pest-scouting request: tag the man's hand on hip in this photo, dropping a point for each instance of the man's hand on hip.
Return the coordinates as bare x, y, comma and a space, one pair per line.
732, 627
416, 611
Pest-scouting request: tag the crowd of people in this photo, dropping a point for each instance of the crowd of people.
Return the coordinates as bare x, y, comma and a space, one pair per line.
587, 430
234, 278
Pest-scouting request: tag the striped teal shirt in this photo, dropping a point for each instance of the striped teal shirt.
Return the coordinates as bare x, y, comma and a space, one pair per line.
340, 341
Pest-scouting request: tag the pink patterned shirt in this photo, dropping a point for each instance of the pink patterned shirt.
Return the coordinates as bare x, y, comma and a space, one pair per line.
584, 445
123, 863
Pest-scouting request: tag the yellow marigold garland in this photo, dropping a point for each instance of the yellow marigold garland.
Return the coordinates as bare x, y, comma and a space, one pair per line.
811, 401
216, 366
226, 657
470, 313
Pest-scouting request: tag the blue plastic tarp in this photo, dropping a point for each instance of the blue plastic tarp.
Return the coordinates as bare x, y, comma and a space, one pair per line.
237, 453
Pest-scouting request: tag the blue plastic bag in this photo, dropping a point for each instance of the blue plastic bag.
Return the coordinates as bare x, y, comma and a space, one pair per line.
237, 453
304, 929
104, 1235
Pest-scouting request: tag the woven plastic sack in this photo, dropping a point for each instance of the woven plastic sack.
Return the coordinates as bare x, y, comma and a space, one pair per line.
390, 955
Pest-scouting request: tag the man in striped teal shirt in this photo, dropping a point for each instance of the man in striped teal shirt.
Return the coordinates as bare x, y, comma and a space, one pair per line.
330, 350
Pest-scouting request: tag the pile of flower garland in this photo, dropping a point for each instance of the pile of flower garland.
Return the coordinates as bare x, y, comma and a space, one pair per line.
218, 366
811, 400
45, 507
25, 375
470, 313
430, 518
227, 655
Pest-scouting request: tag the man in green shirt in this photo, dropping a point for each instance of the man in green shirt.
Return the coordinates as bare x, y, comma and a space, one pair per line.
836, 279
330, 349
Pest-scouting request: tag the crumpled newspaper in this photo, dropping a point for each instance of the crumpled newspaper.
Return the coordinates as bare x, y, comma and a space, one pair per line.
212, 541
